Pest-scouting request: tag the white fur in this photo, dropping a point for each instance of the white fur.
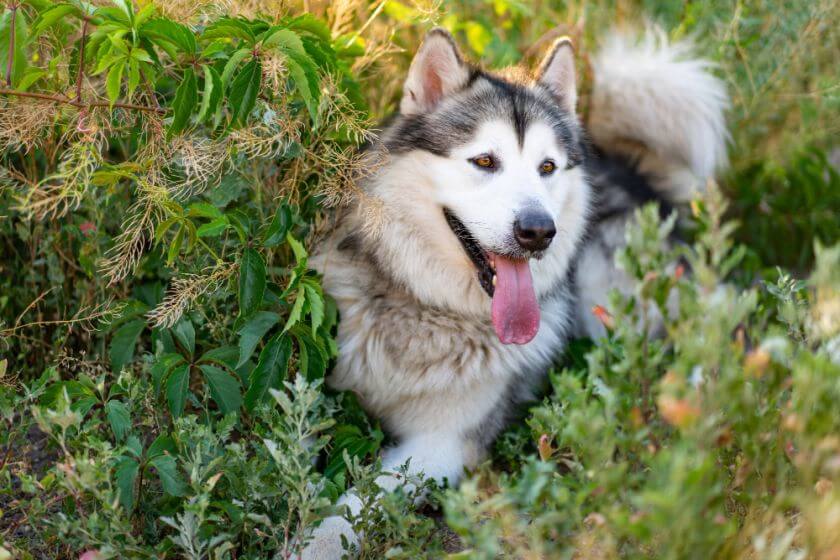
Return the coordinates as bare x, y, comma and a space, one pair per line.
652, 96
423, 357
433, 409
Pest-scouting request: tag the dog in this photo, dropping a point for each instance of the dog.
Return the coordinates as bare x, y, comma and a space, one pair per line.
497, 223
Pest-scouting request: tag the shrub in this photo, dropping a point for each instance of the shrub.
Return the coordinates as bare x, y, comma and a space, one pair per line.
166, 167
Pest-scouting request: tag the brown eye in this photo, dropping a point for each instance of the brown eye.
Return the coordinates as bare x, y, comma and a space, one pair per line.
484, 161
547, 167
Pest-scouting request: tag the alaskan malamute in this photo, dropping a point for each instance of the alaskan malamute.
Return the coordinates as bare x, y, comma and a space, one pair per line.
498, 223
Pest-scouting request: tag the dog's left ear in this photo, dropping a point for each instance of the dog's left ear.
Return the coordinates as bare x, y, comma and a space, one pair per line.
557, 73
436, 71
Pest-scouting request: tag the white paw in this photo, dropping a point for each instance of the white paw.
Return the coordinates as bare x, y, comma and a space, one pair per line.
325, 543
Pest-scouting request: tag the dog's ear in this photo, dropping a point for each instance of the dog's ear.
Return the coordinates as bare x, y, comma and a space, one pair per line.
557, 73
436, 71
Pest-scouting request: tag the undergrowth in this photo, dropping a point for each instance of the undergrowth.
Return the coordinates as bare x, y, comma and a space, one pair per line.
165, 168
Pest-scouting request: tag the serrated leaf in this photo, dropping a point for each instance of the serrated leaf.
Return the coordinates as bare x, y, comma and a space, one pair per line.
186, 98
125, 476
113, 82
165, 30
123, 342
212, 94
175, 246
252, 332
177, 386
297, 309
224, 388
270, 371
244, 90
233, 63
316, 306
297, 248
118, 418
133, 76
171, 480
251, 281
228, 27
312, 356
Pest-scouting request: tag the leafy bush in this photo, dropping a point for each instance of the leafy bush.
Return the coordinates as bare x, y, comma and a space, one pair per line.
167, 165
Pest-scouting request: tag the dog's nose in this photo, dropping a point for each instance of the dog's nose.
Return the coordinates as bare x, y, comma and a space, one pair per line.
534, 230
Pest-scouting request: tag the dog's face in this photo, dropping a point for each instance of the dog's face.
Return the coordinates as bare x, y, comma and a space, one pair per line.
497, 160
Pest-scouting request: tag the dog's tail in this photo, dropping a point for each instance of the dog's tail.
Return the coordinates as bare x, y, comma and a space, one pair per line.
653, 103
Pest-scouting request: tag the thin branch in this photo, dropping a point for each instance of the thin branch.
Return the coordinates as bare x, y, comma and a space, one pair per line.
81, 74
75, 103
10, 62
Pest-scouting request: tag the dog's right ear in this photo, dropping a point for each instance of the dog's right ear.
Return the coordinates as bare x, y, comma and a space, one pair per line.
436, 71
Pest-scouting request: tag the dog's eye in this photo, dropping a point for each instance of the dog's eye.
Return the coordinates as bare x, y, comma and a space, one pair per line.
484, 161
547, 167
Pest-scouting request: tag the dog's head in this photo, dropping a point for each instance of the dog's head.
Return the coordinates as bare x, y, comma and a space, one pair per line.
484, 190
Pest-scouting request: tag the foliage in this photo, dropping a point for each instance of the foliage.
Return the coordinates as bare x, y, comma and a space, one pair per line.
717, 440
165, 168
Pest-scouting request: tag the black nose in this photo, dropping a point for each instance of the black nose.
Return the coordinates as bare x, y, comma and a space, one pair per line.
534, 230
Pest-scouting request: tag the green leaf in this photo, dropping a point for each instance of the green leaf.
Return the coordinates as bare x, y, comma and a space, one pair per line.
162, 444
21, 38
186, 98
224, 388
31, 76
252, 332
204, 210
316, 306
312, 25
175, 247
133, 76
251, 281
297, 309
113, 82
279, 226
297, 248
212, 93
283, 38
162, 30
123, 343
118, 417
185, 334
227, 28
351, 439
233, 63
125, 476
53, 15
312, 356
162, 367
225, 355
214, 228
244, 90
177, 385
171, 480
270, 371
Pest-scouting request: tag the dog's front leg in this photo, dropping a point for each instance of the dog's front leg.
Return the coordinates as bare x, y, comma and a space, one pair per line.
437, 456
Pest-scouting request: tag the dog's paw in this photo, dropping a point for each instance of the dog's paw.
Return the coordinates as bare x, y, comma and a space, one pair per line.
325, 543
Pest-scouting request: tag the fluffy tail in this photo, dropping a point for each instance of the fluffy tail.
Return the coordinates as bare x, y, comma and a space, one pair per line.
653, 102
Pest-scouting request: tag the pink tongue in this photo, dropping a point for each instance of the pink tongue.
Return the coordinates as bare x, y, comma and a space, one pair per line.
516, 315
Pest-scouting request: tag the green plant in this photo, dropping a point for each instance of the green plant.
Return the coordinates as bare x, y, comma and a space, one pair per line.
165, 168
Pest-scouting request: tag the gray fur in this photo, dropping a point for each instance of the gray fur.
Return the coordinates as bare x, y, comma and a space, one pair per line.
416, 342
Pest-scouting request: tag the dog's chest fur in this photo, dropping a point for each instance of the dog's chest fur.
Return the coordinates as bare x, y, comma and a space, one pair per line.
421, 368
